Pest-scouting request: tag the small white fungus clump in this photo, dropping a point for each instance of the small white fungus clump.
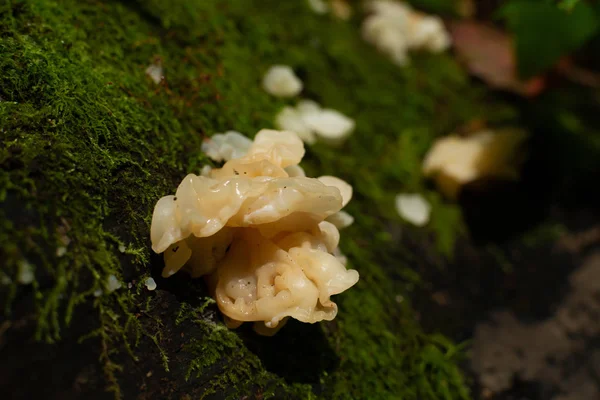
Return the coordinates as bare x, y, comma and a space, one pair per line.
112, 283
155, 72
341, 9
280, 81
61, 251
150, 284
205, 171
341, 219
25, 273
318, 6
226, 146
257, 229
395, 29
311, 122
414, 208
455, 160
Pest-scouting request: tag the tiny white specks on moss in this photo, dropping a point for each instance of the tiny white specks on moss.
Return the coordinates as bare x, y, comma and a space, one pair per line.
413, 208
61, 251
280, 81
150, 284
113, 283
155, 72
25, 273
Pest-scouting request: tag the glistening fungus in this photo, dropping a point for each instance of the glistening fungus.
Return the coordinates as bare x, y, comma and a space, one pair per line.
311, 122
395, 29
454, 161
259, 234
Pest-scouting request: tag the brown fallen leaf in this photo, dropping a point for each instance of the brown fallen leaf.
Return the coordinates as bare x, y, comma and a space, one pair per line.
488, 54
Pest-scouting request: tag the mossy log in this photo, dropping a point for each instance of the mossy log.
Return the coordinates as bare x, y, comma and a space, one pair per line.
90, 143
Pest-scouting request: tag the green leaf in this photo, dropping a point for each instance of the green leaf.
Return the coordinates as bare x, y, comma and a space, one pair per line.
544, 33
567, 5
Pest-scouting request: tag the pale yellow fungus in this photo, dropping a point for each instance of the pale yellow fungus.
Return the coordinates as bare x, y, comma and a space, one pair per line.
395, 28
312, 123
344, 188
256, 228
455, 161
261, 281
341, 219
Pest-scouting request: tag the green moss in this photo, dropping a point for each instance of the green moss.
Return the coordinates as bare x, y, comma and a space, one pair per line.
90, 143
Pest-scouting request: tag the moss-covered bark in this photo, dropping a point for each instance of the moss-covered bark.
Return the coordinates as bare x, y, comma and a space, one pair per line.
89, 143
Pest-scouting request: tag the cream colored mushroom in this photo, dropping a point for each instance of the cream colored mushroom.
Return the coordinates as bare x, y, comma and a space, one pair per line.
341, 219
413, 208
226, 146
312, 123
455, 161
256, 229
281, 81
344, 188
261, 281
290, 119
394, 28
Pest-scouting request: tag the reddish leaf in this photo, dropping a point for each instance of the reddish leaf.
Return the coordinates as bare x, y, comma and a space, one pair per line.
489, 54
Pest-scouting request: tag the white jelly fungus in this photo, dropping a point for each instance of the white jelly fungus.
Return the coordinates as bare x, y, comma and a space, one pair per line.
112, 283
454, 161
280, 81
155, 72
312, 123
150, 284
25, 274
413, 208
395, 29
226, 146
257, 229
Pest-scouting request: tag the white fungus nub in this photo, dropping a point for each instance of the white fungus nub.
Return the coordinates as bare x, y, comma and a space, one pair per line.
61, 251
112, 283
150, 284
257, 229
311, 122
226, 146
413, 208
280, 81
395, 28
318, 6
341, 219
25, 273
155, 72
455, 160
